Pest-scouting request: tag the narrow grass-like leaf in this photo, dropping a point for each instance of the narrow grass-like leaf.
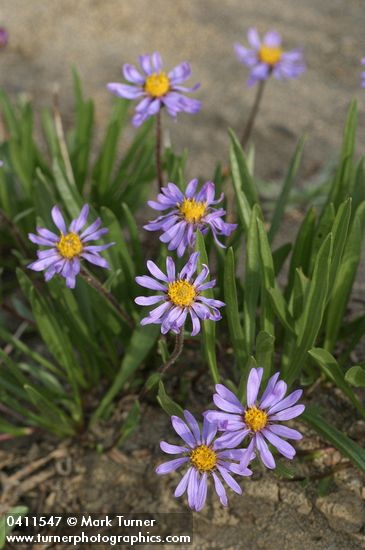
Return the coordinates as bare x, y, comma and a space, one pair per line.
285, 192
141, 343
252, 281
309, 324
209, 339
344, 444
230, 297
331, 368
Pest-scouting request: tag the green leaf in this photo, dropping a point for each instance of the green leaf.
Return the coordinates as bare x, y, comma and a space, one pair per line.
280, 255
141, 343
244, 189
264, 351
55, 419
268, 279
331, 368
356, 377
209, 339
16, 512
339, 232
169, 406
301, 250
285, 192
310, 322
230, 297
130, 424
345, 278
252, 281
344, 444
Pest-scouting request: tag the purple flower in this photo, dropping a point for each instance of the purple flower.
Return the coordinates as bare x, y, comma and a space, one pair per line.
180, 296
259, 419
188, 213
267, 57
69, 247
4, 37
156, 88
204, 457
363, 74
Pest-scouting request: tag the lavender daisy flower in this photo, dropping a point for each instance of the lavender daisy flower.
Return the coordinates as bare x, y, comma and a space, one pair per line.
187, 214
4, 37
259, 421
363, 74
68, 248
267, 57
156, 88
180, 296
205, 458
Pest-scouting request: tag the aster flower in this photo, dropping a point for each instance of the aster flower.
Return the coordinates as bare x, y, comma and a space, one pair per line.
259, 420
187, 214
205, 458
4, 37
363, 74
69, 247
267, 57
156, 88
180, 296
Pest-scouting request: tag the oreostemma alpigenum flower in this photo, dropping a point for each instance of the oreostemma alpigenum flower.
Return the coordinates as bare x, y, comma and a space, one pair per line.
187, 213
205, 458
66, 250
266, 57
259, 419
180, 295
156, 88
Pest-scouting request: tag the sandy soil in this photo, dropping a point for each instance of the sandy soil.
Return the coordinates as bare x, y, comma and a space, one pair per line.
98, 36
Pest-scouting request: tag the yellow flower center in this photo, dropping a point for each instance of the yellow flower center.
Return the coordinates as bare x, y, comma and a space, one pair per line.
192, 210
270, 54
181, 293
69, 245
157, 85
203, 458
255, 419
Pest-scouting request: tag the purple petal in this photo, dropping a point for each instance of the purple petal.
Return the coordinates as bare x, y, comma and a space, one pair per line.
183, 431
79, 223
170, 268
230, 439
220, 490
193, 425
156, 61
95, 259
40, 265
132, 75
287, 402
148, 300
150, 283
284, 431
191, 188
253, 386
267, 393
170, 466
180, 73
145, 62
202, 493
156, 271
282, 446
254, 38
229, 396
232, 483
193, 486
125, 90
172, 449
265, 454
288, 414
181, 488
209, 431
272, 39
58, 219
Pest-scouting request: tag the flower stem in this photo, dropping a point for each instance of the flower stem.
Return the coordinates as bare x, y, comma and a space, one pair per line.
179, 344
92, 281
158, 151
251, 119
